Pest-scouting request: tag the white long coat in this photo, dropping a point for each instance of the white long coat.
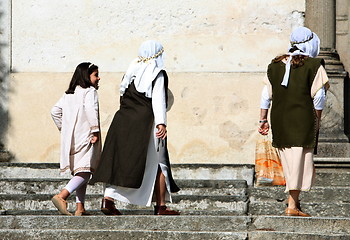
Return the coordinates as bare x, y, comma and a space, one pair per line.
77, 117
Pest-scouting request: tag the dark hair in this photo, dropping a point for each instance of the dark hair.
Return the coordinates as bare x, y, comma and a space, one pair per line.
297, 60
81, 76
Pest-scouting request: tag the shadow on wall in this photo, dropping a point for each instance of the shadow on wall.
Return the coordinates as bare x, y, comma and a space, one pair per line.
347, 105
5, 156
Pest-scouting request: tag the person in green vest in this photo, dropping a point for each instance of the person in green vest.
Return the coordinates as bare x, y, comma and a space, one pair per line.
296, 84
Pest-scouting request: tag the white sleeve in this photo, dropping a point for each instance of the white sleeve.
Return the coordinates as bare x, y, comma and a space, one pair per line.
320, 99
56, 113
158, 100
265, 99
91, 109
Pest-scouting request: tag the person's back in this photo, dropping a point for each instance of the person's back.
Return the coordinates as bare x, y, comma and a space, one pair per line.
293, 105
296, 85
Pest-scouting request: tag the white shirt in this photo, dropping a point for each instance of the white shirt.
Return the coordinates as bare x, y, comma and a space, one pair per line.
158, 100
319, 97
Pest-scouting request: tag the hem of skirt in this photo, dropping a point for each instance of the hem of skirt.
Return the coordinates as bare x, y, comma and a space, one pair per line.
297, 189
124, 200
63, 170
81, 169
149, 201
136, 204
293, 145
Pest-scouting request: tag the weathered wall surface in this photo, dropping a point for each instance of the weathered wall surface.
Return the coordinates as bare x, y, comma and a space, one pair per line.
5, 33
202, 36
208, 122
216, 55
343, 32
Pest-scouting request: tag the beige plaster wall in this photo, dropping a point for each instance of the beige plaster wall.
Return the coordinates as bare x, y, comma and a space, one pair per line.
212, 119
216, 55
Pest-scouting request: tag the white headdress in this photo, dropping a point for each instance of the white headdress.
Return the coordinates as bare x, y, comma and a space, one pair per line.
145, 68
308, 44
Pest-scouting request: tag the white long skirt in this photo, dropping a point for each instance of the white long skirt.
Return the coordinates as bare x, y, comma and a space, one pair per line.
144, 195
298, 168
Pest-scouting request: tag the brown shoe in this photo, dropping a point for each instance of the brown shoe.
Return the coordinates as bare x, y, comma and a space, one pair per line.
163, 210
108, 207
296, 212
61, 205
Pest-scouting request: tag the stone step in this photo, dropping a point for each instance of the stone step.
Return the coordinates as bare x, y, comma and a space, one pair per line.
214, 171
118, 234
237, 205
334, 149
96, 212
167, 227
188, 187
141, 222
318, 193
180, 171
274, 235
332, 177
145, 211
325, 225
315, 209
322, 225
340, 162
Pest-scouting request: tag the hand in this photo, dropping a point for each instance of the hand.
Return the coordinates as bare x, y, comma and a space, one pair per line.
264, 128
162, 132
94, 138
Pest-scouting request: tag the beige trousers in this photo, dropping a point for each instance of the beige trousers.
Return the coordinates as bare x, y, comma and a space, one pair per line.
298, 168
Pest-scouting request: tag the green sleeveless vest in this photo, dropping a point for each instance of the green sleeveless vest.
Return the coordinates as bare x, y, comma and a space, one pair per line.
293, 117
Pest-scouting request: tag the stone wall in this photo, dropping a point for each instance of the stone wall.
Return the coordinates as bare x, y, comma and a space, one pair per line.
216, 55
343, 49
343, 32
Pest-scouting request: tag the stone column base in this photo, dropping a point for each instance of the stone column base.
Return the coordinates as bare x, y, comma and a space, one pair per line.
333, 150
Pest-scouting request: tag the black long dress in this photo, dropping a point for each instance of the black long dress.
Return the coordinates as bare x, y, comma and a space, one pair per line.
124, 153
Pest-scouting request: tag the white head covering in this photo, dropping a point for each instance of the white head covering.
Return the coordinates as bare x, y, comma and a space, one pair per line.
145, 68
308, 44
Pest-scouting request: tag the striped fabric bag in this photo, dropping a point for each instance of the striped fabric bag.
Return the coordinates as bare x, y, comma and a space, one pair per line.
268, 167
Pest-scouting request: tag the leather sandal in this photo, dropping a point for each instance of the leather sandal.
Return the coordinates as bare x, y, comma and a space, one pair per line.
163, 210
108, 207
296, 212
61, 205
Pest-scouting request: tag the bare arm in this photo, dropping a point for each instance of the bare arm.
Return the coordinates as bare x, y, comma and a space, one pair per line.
318, 115
263, 123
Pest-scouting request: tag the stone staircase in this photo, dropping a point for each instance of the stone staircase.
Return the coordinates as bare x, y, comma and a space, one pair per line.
216, 202
329, 197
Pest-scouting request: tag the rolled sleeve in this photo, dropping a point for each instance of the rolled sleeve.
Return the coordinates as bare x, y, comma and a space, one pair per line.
320, 99
158, 100
265, 101
56, 114
91, 109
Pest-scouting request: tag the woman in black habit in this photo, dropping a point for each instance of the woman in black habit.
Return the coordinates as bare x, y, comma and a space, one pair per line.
135, 161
